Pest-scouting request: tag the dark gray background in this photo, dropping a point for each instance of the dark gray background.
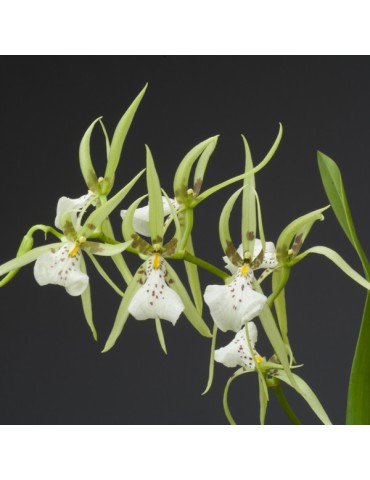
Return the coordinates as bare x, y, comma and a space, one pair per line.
51, 371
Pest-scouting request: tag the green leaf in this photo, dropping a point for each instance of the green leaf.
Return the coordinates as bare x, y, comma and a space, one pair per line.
256, 169
122, 313
305, 391
96, 218
104, 274
190, 311
211, 369
358, 402
158, 327
297, 230
156, 215
27, 257
224, 230
86, 303
334, 188
105, 249
249, 218
118, 139
339, 262
181, 180
202, 165
87, 169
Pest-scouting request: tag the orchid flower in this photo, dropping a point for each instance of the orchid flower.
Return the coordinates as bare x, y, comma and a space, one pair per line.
236, 303
269, 256
73, 205
237, 352
141, 222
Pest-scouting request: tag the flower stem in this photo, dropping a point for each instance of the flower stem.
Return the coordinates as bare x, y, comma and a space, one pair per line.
205, 265
285, 405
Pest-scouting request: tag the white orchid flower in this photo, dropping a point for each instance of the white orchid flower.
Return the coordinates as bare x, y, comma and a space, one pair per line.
155, 299
141, 216
269, 257
236, 303
62, 267
237, 352
72, 205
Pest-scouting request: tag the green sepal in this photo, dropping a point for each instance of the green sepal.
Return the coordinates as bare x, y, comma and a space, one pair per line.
181, 180
25, 246
176, 238
224, 230
273, 334
305, 391
27, 257
87, 168
129, 233
118, 139
159, 330
190, 311
105, 249
256, 169
211, 369
249, 217
202, 166
334, 188
104, 274
225, 402
339, 262
86, 302
123, 313
193, 278
261, 233
263, 397
96, 218
106, 137
297, 230
156, 215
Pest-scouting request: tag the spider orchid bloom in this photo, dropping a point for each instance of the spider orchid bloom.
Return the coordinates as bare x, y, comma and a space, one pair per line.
236, 303
72, 205
269, 257
62, 267
141, 216
155, 299
237, 352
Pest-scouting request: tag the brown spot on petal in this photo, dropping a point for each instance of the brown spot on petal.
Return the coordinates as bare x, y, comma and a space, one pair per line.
251, 236
197, 186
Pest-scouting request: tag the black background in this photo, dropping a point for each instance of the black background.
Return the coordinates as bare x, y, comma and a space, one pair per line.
51, 370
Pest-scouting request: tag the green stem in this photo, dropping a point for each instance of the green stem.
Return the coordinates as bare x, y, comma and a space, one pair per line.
285, 405
46, 229
205, 265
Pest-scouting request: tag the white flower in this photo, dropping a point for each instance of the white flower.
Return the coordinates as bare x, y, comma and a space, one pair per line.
237, 352
141, 216
269, 257
155, 299
73, 205
62, 267
236, 303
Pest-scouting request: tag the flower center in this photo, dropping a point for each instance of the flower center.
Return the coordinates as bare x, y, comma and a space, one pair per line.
156, 260
258, 359
74, 250
244, 270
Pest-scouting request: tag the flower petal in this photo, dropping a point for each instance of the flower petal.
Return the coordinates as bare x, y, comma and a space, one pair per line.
141, 216
237, 352
73, 205
232, 305
155, 299
57, 267
269, 257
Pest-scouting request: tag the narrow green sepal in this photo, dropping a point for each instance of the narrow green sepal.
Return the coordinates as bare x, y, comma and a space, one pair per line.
87, 168
118, 139
211, 368
86, 303
128, 231
202, 166
159, 330
156, 215
249, 217
224, 230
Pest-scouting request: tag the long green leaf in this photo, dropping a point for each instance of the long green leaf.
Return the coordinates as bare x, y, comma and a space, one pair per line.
190, 311
249, 217
122, 313
96, 218
27, 257
86, 303
156, 215
118, 139
339, 262
305, 391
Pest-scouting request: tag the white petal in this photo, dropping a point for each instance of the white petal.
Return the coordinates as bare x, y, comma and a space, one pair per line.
58, 268
73, 205
269, 257
155, 299
232, 305
141, 217
237, 352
